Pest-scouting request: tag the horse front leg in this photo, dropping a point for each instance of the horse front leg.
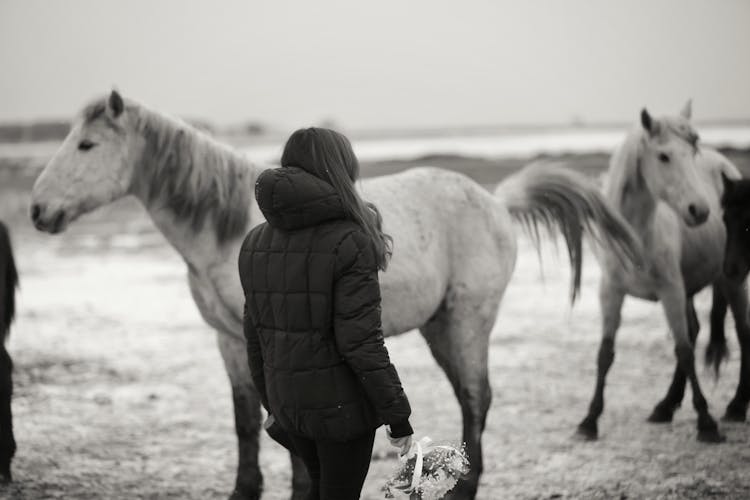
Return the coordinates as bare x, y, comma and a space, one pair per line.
247, 419
673, 301
611, 299
7, 441
665, 409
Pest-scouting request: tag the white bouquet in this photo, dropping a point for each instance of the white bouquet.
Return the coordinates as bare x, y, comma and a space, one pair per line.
427, 472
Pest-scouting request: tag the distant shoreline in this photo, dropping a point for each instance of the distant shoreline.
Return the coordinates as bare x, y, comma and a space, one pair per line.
476, 147
41, 131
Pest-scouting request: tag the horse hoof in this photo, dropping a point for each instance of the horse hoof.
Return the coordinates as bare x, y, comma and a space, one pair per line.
734, 414
239, 495
660, 415
587, 431
712, 436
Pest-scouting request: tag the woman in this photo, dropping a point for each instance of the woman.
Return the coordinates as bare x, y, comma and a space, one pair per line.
312, 313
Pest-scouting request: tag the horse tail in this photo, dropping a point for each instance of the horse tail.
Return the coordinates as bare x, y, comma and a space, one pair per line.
716, 349
8, 283
548, 195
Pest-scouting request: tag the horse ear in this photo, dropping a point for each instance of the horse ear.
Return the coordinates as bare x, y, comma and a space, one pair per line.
687, 110
115, 104
647, 122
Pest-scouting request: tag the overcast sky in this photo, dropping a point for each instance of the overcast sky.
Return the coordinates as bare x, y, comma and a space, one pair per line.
382, 63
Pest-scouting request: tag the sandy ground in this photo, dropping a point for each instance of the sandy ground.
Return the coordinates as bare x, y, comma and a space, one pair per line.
121, 393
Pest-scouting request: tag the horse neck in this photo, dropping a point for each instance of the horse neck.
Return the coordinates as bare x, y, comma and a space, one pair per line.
627, 188
198, 192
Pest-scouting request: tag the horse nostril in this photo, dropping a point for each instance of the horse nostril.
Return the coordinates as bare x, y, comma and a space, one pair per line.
36, 211
57, 221
699, 213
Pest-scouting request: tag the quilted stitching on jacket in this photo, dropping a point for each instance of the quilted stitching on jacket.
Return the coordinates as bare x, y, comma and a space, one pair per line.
312, 313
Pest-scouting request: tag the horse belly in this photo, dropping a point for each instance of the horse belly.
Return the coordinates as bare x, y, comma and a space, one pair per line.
639, 284
409, 300
414, 284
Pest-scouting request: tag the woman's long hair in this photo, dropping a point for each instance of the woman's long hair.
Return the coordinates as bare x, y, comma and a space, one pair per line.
328, 155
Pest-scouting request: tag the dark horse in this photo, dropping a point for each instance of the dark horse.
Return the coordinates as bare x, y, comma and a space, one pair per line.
736, 205
8, 284
735, 202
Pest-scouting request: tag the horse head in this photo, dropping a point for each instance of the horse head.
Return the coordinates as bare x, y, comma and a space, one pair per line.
93, 166
669, 146
735, 201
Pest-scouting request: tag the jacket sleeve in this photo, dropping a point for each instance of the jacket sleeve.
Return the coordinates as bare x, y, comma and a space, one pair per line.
255, 357
358, 332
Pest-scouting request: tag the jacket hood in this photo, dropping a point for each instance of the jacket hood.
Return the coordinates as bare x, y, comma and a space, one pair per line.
291, 198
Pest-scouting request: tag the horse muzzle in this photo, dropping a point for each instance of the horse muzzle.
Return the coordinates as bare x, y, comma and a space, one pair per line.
696, 214
47, 221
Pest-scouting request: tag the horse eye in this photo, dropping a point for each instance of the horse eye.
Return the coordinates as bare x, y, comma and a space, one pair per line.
85, 145
664, 157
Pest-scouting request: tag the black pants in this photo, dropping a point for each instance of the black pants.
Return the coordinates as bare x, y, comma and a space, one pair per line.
337, 469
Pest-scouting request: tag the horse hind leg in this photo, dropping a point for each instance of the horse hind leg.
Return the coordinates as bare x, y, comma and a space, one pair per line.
7, 440
611, 300
664, 410
458, 336
736, 295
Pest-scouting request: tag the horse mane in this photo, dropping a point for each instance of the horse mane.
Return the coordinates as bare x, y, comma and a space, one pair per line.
192, 174
8, 283
623, 168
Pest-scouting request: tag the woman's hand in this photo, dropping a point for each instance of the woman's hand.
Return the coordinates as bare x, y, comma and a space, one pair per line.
402, 443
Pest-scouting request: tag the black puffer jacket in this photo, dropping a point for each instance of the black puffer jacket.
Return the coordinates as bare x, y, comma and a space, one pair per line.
312, 314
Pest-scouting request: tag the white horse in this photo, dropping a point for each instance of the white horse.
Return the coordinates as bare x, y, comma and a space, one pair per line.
669, 190
454, 245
